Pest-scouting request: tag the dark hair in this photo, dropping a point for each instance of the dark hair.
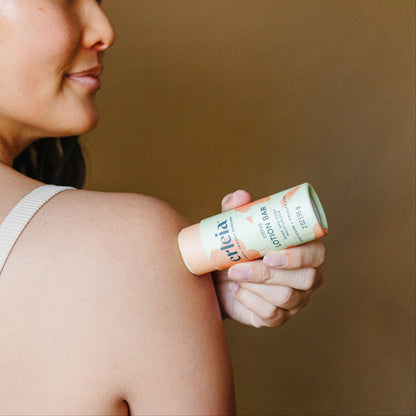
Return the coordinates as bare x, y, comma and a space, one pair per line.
58, 161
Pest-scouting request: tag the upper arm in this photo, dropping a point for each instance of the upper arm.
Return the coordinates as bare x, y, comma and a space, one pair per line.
172, 356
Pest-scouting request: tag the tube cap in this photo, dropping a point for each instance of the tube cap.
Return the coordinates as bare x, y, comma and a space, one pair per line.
192, 250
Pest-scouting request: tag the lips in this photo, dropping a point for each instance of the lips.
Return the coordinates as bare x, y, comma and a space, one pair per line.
93, 72
87, 78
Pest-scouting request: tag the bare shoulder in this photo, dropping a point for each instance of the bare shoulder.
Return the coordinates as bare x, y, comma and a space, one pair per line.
107, 226
170, 353
95, 292
129, 238
79, 297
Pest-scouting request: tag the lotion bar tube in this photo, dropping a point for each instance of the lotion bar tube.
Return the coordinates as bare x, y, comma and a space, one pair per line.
279, 221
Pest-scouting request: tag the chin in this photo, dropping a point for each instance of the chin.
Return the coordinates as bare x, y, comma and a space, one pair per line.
88, 126
81, 126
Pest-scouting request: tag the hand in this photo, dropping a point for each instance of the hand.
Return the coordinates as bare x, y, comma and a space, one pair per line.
268, 291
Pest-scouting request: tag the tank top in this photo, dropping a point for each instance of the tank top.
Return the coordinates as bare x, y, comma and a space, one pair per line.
21, 214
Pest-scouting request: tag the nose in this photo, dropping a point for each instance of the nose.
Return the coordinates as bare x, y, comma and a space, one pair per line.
98, 34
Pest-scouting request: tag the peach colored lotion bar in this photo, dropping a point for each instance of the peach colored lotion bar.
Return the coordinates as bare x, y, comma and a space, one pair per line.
279, 221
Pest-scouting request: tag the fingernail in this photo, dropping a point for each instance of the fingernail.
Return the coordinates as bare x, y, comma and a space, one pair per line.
275, 260
234, 286
240, 273
226, 199
235, 194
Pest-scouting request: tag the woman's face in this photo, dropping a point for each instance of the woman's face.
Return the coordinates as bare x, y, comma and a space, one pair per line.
51, 52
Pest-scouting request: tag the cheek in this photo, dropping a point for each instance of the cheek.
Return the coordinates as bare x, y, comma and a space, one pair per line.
35, 53
51, 53
33, 62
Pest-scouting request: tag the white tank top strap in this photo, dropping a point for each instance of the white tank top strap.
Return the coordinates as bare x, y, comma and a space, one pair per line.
21, 214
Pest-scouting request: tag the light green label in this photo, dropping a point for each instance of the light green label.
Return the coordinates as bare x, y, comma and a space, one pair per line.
283, 220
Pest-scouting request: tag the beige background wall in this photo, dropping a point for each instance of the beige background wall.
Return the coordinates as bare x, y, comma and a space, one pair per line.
201, 98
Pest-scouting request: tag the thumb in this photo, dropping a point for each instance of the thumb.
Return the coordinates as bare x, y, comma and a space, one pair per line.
235, 199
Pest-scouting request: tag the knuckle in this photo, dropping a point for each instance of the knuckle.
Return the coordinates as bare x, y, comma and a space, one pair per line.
296, 257
243, 295
277, 319
274, 276
256, 321
298, 280
262, 273
271, 314
258, 273
288, 296
301, 281
309, 278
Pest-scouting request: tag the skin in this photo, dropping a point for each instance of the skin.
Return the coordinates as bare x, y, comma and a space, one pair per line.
96, 318
76, 38
260, 293
42, 42
86, 312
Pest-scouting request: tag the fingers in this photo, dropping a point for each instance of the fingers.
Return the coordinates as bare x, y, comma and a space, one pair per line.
268, 308
311, 254
235, 200
279, 296
263, 312
258, 272
293, 311
235, 310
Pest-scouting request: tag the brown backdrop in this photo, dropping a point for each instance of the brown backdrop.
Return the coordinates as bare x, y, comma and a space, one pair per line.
204, 97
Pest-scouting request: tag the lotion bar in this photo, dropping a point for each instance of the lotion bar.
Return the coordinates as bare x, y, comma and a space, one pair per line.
276, 222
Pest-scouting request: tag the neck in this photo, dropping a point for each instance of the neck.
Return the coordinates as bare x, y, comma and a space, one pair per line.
10, 149
6, 153
13, 140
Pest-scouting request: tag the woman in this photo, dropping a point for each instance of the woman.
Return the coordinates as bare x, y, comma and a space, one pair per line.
95, 316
